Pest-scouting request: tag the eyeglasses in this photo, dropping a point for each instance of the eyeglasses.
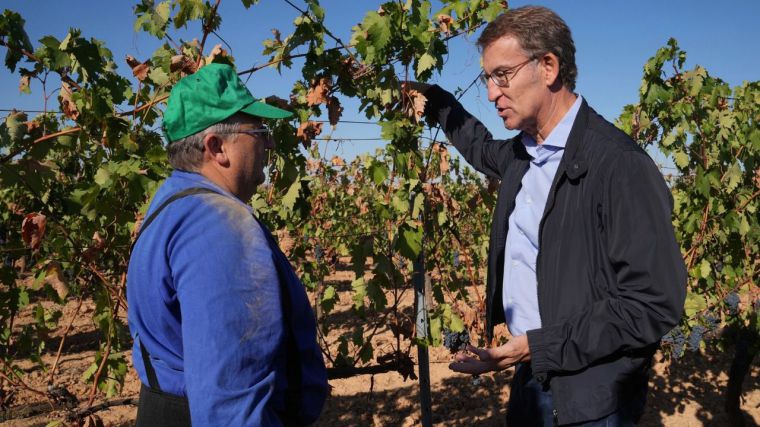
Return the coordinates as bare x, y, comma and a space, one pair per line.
262, 130
501, 77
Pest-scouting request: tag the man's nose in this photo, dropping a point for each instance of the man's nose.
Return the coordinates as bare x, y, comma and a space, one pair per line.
494, 92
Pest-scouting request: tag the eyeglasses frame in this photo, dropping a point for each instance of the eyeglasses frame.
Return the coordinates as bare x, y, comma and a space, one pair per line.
504, 72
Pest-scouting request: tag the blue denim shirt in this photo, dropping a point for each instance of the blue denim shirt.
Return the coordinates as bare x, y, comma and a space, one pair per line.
205, 300
520, 294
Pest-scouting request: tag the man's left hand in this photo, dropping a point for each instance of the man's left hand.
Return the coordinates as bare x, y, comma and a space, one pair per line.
492, 359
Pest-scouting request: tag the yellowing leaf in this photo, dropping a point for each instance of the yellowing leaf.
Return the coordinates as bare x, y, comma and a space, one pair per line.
54, 277
681, 159
704, 269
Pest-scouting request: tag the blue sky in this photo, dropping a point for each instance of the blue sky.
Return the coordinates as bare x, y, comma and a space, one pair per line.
613, 39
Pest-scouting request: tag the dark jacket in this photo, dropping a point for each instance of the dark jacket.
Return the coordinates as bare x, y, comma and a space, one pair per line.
611, 279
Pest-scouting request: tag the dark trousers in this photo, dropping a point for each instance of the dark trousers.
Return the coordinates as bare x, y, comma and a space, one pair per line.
532, 405
157, 408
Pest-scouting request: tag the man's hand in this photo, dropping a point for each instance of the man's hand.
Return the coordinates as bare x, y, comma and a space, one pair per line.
493, 359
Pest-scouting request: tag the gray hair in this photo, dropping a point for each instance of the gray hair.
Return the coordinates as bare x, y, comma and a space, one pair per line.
539, 30
187, 153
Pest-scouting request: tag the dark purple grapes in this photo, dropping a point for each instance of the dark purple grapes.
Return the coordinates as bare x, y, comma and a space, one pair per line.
676, 340
456, 341
712, 322
456, 258
732, 300
696, 337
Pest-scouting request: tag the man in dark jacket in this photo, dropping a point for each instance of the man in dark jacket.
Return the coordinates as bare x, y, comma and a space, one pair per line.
583, 264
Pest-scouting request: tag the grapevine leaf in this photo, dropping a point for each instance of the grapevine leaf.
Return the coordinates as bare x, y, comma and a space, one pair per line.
425, 63
360, 291
409, 241
681, 159
733, 176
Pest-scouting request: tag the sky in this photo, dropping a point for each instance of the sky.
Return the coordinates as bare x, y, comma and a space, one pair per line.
613, 40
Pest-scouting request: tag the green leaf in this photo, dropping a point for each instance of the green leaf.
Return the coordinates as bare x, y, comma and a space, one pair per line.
13, 34
360, 291
681, 159
694, 303
376, 294
379, 172
456, 324
743, 226
378, 29
90, 372
733, 176
329, 298
705, 269
425, 63
436, 328
103, 177
409, 241
289, 199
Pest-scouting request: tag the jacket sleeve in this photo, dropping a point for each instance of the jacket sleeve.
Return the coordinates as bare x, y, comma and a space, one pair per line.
468, 134
650, 275
232, 330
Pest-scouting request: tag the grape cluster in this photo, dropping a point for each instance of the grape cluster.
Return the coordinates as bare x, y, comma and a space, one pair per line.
712, 322
456, 258
696, 337
676, 339
455, 341
732, 300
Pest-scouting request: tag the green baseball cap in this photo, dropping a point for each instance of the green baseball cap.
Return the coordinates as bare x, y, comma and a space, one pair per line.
212, 94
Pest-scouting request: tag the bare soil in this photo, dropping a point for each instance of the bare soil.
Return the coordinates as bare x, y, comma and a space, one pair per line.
684, 393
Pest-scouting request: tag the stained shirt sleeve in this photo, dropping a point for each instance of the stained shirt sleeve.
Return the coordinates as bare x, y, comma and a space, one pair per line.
229, 299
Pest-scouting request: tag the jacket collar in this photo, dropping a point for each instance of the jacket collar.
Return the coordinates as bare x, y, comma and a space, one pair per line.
573, 162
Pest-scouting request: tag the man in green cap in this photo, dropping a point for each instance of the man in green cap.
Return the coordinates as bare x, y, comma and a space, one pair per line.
223, 330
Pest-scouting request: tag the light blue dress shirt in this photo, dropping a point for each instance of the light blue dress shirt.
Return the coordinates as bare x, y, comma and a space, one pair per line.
519, 291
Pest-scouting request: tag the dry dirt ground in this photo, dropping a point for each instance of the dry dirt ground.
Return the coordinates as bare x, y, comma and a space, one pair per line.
686, 393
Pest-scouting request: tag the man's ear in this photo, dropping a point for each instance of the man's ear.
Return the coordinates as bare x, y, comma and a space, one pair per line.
549, 63
215, 150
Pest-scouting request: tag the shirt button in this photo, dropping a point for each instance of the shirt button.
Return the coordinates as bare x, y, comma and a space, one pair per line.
529, 199
514, 263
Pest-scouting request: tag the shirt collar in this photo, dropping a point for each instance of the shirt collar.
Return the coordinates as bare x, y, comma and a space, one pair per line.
205, 182
557, 139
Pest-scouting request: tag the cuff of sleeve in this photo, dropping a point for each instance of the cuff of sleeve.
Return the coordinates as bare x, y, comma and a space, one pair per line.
539, 342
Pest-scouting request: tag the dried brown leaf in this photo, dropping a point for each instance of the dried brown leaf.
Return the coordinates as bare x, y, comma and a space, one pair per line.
415, 107
23, 84
334, 110
318, 92
444, 21
218, 54
183, 64
139, 69
308, 131
32, 229
68, 106
338, 161
277, 102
